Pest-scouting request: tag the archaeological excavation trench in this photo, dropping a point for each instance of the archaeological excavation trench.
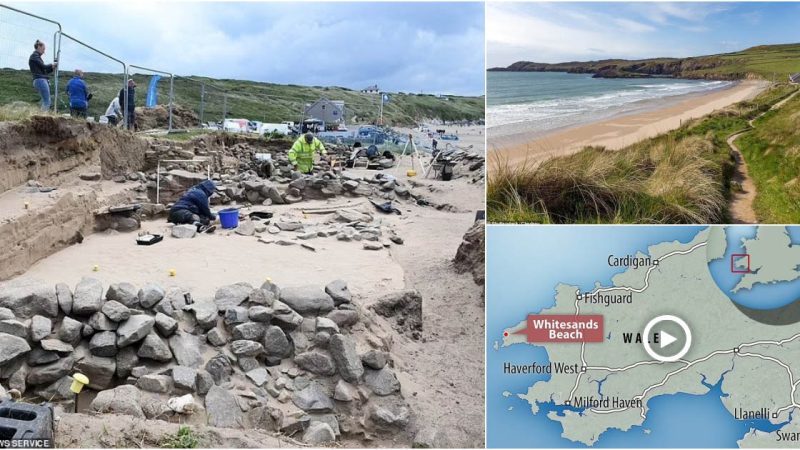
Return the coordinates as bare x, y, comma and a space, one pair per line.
325, 353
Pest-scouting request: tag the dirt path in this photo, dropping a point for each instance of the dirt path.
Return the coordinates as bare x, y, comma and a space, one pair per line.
741, 206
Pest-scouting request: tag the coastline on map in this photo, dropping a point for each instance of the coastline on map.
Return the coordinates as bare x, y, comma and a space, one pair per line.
525, 143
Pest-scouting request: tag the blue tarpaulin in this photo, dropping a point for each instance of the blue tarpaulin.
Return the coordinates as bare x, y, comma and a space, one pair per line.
152, 92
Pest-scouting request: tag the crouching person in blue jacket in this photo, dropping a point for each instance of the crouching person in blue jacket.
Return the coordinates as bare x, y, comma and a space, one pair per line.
193, 208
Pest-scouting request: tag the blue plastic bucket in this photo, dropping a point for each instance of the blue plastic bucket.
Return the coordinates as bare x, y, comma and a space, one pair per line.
229, 218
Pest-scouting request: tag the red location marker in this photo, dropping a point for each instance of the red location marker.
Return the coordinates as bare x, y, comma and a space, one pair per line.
563, 328
505, 333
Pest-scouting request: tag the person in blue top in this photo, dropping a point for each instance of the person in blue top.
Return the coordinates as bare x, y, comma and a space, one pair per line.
79, 95
193, 208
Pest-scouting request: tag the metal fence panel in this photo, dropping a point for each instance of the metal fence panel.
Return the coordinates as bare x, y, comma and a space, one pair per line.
18, 32
105, 75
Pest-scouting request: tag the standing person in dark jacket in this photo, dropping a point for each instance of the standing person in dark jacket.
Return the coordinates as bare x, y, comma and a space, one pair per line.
41, 73
79, 95
129, 105
193, 208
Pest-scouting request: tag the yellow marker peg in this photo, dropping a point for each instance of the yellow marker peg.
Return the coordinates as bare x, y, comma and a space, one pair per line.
411, 173
79, 380
172, 272
96, 268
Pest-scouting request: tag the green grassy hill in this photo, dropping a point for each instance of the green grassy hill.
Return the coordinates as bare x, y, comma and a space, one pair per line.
254, 100
764, 61
772, 152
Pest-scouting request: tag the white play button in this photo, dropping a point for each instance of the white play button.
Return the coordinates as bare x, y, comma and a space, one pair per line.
679, 332
666, 339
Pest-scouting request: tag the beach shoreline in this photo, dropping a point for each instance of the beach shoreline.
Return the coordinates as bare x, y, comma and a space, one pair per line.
621, 130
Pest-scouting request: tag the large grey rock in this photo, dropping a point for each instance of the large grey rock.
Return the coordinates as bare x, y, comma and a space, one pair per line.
246, 348
204, 382
206, 317
64, 297
222, 409
125, 399
134, 330
124, 293
232, 295
56, 391
236, 315
285, 316
248, 363
259, 313
345, 392
186, 349
338, 291
325, 325
100, 322
246, 228
389, 416
161, 384
217, 337
312, 398
374, 359
39, 357
14, 328
49, 373
150, 295
262, 297
382, 382
126, 359
165, 324
153, 347
343, 317
27, 298
54, 345
116, 311
251, 331
349, 215
103, 344
289, 226
184, 378
184, 231
88, 297
307, 300
7, 314
219, 367
70, 330
318, 434
316, 362
343, 351
276, 343
98, 369
41, 327
258, 376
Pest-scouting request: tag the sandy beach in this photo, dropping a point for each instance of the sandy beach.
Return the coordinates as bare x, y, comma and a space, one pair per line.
617, 132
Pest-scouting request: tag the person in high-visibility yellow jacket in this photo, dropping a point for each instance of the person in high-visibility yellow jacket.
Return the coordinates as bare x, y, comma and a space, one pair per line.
301, 155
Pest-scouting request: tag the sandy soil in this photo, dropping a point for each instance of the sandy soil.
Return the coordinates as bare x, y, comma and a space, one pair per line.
621, 131
442, 375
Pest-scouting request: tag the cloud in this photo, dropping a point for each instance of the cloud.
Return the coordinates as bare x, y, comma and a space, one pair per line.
400, 46
513, 34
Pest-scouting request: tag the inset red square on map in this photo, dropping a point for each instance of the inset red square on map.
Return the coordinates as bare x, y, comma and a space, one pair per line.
736, 256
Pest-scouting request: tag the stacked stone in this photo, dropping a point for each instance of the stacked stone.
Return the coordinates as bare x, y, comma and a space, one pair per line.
277, 359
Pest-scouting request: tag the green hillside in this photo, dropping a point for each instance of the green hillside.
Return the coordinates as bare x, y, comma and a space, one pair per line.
764, 61
254, 100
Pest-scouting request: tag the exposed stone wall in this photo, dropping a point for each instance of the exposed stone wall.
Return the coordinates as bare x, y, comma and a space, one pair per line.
303, 361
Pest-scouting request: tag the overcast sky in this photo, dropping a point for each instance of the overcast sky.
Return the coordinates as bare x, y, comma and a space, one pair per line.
560, 32
410, 47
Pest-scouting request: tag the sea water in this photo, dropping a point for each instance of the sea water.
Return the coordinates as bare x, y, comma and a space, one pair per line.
537, 102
